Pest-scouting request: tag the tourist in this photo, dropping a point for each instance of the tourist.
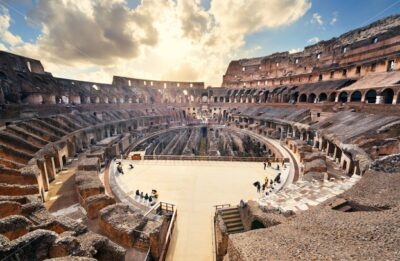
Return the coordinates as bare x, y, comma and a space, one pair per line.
277, 167
266, 180
265, 165
263, 187
146, 197
154, 193
130, 166
141, 195
257, 184
137, 193
120, 170
278, 178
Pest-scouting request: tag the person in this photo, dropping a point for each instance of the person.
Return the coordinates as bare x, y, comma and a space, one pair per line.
277, 167
130, 166
269, 163
141, 195
137, 193
242, 204
154, 193
120, 170
278, 178
263, 187
257, 185
265, 165
266, 180
146, 197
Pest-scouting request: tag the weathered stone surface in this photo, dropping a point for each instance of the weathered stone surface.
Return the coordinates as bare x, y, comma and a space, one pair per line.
96, 203
317, 165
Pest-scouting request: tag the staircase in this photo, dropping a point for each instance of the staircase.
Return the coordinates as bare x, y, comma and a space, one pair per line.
231, 218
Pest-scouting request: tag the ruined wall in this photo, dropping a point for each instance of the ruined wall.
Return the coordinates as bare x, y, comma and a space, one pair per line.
354, 54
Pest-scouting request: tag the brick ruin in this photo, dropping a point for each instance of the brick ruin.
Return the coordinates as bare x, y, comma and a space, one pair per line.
334, 108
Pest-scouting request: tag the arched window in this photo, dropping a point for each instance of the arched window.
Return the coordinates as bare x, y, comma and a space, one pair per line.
323, 97
303, 98
3, 76
311, 98
388, 95
355, 96
370, 96
343, 97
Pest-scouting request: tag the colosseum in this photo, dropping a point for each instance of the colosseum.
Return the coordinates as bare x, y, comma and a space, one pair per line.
293, 156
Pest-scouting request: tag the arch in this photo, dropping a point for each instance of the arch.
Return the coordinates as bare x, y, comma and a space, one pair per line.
266, 93
311, 98
343, 97
294, 97
256, 224
332, 97
355, 96
370, 96
303, 98
322, 97
398, 98
3, 76
387, 96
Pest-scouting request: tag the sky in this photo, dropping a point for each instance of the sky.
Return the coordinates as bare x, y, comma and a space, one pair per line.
178, 40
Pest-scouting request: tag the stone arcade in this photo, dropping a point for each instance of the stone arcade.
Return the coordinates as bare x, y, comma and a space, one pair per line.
331, 113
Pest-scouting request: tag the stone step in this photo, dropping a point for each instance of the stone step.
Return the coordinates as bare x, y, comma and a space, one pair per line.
234, 224
236, 230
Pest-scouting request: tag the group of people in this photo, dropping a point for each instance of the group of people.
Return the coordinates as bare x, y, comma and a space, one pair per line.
119, 167
146, 198
267, 184
269, 165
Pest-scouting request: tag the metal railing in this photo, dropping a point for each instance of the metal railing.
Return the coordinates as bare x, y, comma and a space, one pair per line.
211, 158
168, 207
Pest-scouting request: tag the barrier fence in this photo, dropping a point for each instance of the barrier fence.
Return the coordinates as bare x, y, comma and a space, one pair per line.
212, 158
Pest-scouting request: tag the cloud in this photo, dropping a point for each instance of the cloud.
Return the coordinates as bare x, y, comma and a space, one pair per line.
334, 18
317, 19
168, 40
6, 37
295, 50
92, 31
313, 40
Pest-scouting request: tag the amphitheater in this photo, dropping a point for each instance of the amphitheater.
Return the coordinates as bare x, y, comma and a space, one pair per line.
323, 125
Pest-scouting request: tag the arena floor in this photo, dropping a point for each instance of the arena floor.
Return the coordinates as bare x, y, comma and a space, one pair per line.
195, 187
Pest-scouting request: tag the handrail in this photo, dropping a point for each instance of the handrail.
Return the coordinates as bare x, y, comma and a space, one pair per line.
221, 206
168, 237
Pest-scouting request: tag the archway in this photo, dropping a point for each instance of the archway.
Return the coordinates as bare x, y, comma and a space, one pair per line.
294, 97
322, 97
343, 97
387, 96
256, 225
332, 97
355, 96
370, 96
3, 76
303, 98
311, 98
